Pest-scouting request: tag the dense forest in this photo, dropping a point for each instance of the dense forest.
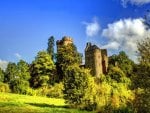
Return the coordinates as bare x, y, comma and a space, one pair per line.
124, 89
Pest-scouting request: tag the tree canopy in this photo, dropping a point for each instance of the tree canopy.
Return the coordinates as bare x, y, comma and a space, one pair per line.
41, 69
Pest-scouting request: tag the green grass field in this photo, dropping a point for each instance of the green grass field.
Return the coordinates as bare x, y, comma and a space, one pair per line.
15, 103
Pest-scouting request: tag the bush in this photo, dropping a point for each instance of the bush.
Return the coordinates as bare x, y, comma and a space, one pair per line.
42, 91
19, 86
56, 91
4, 87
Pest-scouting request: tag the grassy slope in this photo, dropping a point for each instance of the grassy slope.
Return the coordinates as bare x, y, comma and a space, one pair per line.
14, 103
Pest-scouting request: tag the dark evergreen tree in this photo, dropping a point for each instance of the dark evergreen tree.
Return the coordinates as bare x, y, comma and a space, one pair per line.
1, 75
50, 48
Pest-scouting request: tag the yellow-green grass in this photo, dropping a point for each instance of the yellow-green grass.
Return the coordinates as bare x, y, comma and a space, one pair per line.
15, 103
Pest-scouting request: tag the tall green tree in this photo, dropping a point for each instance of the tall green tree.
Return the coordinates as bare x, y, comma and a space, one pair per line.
42, 70
10, 72
67, 55
1, 75
79, 88
20, 82
50, 48
23, 70
141, 78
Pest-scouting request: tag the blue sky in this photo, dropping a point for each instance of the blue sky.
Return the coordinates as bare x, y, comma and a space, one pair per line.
26, 25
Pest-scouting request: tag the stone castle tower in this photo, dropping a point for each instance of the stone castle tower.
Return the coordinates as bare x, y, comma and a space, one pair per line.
96, 59
65, 41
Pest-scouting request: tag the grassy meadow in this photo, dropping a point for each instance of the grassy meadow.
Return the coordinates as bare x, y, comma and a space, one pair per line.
15, 103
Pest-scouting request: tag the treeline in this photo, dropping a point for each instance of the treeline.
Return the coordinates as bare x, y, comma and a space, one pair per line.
124, 89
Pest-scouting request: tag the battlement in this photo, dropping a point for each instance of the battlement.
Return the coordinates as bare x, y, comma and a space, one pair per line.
65, 41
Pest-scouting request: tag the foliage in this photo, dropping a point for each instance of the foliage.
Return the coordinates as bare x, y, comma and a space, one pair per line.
19, 86
113, 93
67, 55
144, 51
23, 72
140, 82
141, 78
123, 62
1, 75
10, 72
17, 76
79, 88
50, 48
4, 87
56, 91
118, 75
41, 70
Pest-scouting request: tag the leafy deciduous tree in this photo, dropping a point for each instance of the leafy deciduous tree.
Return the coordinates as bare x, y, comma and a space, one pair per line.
67, 55
10, 72
79, 88
41, 70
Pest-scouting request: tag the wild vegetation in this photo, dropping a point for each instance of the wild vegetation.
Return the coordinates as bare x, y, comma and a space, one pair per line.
124, 89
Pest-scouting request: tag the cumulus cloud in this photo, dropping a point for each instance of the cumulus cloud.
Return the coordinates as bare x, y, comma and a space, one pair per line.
3, 64
18, 56
124, 34
112, 45
92, 28
135, 2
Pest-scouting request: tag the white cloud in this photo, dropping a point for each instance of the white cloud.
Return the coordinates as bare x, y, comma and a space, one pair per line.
112, 45
124, 34
18, 56
92, 28
135, 2
3, 64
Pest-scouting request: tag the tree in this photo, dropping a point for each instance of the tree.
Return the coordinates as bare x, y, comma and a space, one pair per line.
10, 72
67, 55
117, 74
113, 96
123, 62
79, 88
144, 51
23, 70
141, 78
1, 75
50, 48
20, 83
41, 70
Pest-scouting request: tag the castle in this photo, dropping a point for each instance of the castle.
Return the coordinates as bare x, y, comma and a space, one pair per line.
95, 58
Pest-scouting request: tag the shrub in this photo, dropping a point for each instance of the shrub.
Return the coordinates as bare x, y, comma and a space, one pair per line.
56, 91
4, 87
42, 91
19, 86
